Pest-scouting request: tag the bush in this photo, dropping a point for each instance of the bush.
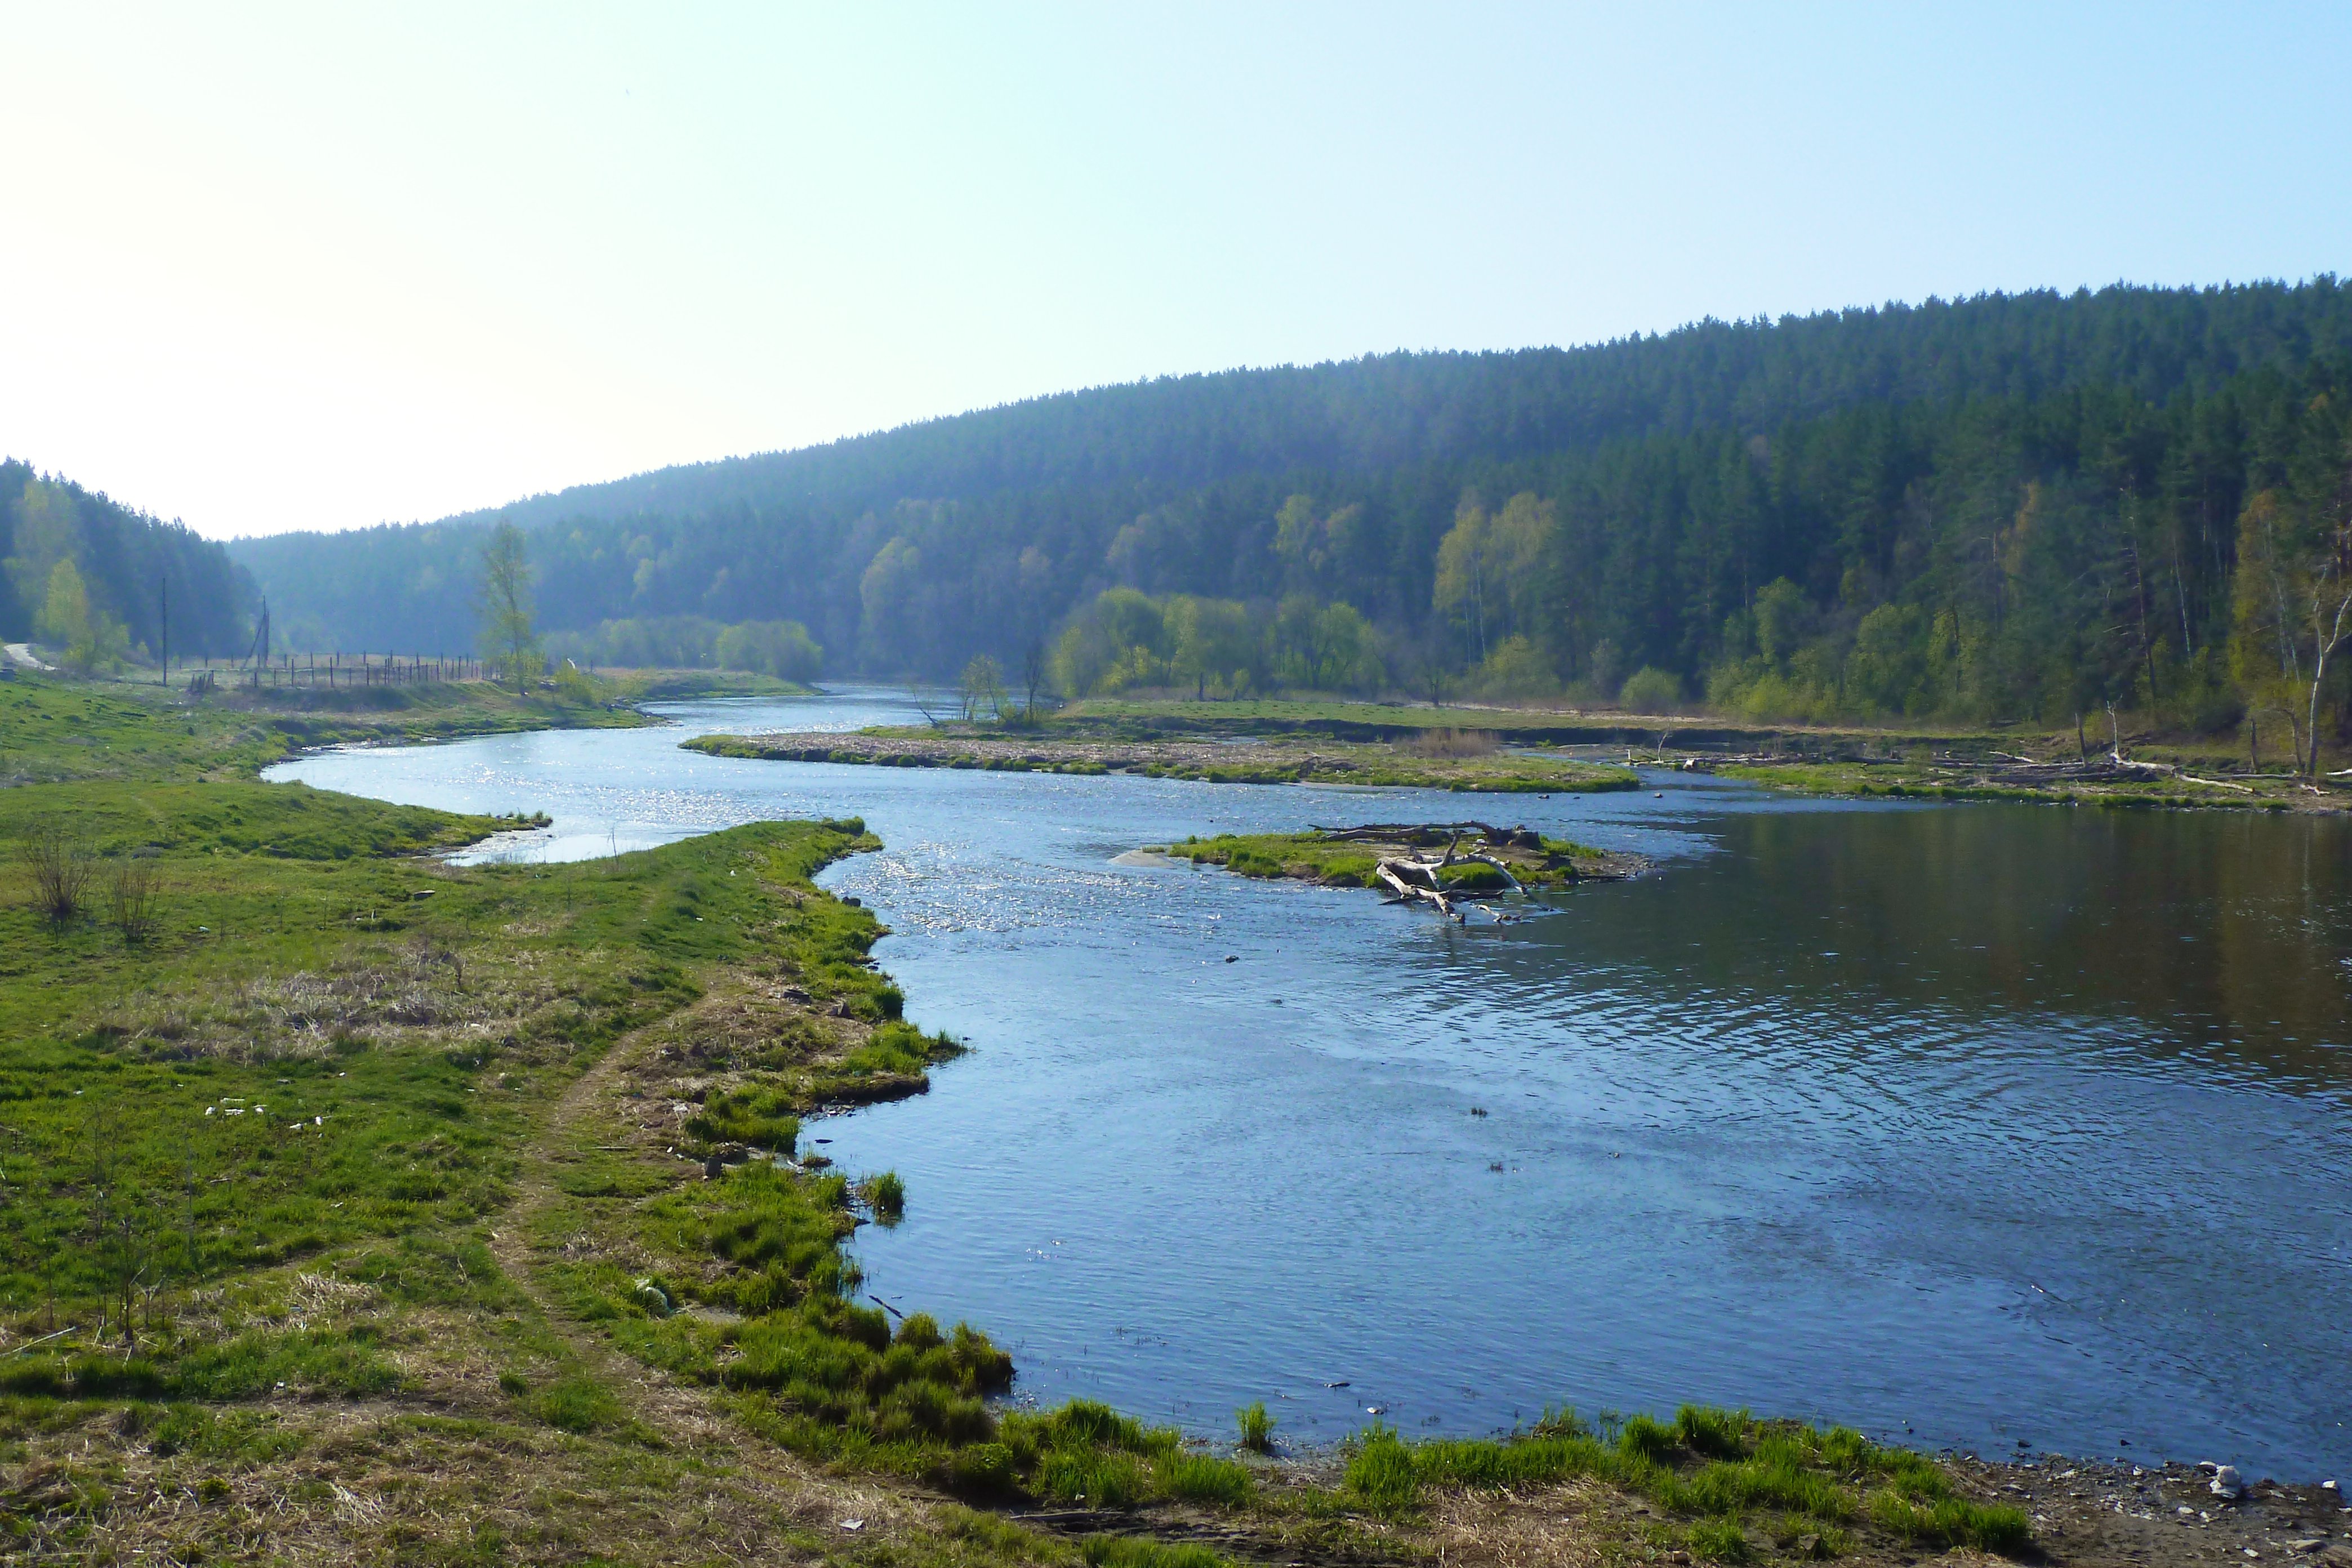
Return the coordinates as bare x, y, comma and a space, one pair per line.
132, 900
1650, 690
60, 870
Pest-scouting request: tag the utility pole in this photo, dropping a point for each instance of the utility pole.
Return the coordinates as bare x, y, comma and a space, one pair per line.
163, 615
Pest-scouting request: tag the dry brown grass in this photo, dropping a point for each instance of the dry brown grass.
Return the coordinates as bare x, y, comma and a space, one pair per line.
744, 1027
371, 1485
421, 992
1454, 743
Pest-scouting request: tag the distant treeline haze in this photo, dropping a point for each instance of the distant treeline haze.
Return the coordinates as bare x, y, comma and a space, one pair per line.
94, 581
2012, 506
780, 648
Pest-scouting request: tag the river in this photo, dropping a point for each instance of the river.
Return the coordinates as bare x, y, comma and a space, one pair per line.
1975, 1126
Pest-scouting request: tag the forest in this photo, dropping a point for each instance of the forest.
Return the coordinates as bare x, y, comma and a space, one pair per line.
2009, 506
101, 584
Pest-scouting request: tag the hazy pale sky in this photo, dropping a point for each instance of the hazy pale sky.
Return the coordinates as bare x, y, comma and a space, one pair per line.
320, 265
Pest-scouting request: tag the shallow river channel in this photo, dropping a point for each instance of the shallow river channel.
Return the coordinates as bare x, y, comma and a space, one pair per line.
1972, 1126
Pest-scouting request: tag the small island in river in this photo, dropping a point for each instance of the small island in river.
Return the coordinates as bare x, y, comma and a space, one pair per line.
1434, 863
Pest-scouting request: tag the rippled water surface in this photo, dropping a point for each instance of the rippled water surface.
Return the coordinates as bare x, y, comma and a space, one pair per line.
1971, 1123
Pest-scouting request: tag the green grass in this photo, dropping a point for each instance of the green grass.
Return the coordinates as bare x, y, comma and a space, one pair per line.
1718, 1467
1255, 1425
55, 731
1200, 1478
1312, 856
1134, 1551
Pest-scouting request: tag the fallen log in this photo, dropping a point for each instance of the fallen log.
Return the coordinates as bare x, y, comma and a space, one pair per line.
1392, 872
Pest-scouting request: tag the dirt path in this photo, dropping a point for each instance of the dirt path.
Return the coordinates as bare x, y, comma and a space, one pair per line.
681, 1416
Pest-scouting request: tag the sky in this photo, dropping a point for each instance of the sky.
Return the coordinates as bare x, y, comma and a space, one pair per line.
266, 269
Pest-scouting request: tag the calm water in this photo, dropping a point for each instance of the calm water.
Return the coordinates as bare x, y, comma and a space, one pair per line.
1964, 1124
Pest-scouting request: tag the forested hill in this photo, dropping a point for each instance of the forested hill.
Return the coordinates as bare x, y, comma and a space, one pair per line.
81, 573
1396, 410
1673, 479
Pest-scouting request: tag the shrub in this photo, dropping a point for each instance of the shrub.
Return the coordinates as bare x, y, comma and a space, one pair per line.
60, 870
1651, 690
131, 899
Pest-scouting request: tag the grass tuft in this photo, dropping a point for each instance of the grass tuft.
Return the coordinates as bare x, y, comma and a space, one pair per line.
1136, 1552
1256, 1427
1198, 1478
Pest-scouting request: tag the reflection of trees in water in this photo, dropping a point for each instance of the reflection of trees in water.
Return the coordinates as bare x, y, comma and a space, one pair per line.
2225, 934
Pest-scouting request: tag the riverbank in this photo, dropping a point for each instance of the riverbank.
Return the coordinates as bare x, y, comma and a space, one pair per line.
1477, 768
492, 1301
2008, 763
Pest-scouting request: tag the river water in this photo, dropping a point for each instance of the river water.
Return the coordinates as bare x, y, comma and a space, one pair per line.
1967, 1125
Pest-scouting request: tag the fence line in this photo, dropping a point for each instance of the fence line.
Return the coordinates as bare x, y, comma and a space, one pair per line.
328, 672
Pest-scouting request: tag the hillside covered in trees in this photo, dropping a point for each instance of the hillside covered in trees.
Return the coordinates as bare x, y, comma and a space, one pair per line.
2009, 506
94, 580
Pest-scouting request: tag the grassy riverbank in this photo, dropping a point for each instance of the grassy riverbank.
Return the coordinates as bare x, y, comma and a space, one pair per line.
362, 1207
1923, 763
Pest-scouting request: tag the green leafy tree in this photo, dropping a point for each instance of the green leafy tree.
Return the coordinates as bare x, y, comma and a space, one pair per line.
982, 688
780, 648
510, 639
2293, 606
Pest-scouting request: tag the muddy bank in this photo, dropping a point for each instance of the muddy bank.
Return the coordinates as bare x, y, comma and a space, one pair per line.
1231, 760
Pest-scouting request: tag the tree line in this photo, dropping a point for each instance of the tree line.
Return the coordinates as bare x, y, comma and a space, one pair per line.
101, 584
2010, 506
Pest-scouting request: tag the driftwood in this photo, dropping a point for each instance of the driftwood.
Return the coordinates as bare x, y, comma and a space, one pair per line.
1416, 880
1393, 873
